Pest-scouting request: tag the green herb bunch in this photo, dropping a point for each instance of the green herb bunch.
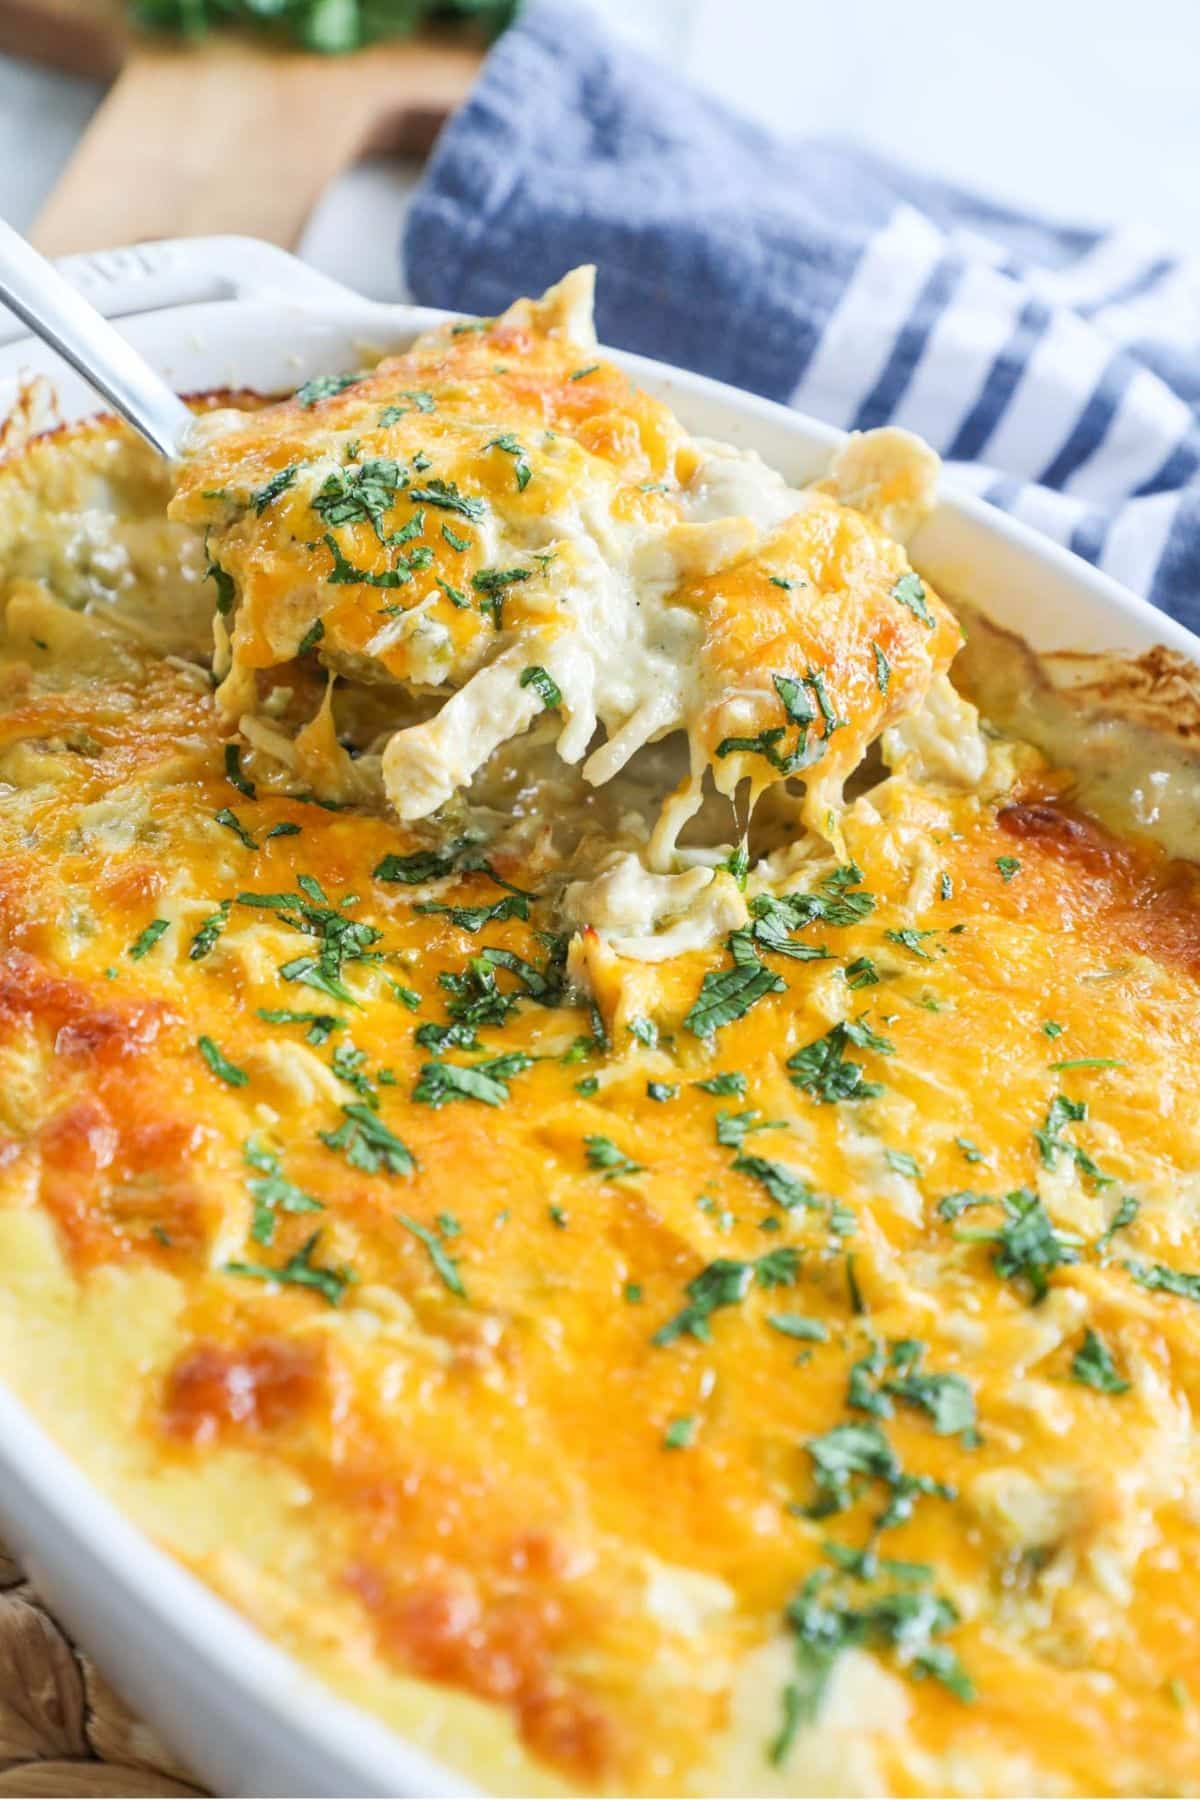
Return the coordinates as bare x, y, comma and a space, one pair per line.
329, 26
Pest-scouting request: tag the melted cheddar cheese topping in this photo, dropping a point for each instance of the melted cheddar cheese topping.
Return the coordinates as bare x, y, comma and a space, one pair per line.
637, 1316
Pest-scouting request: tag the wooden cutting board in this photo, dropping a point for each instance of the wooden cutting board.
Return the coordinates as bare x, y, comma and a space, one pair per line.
227, 135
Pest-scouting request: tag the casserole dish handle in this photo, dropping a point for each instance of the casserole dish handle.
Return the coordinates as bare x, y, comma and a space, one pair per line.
185, 272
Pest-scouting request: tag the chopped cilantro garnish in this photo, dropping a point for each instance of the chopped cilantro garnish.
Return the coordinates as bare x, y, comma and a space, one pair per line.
321, 387
146, 940
661, 1090
883, 669
271, 1192
1051, 1143
971, 1151
946, 1398
733, 1128
1161, 1279
1008, 867
320, 1025
737, 864
725, 1283
952, 1206
1092, 1364
837, 900
456, 1036
826, 1622
443, 1262
1124, 1216
209, 931
420, 400
233, 771
1053, 1029
784, 1186
773, 921
232, 823
850, 1457
345, 574
822, 1069
285, 828
842, 1458
909, 938
728, 994
417, 867
902, 1163
309, 972
220, 1064
441, 1082
299, 1271
512, 447
278, 484
543, 684
861, 973
603, 1154
367, 1143
799, 1325
446, 495
474, 918
311, 638
1088, 1062
364, 494
223, 582
579, 374
730, 1081
910, 592
493, 586
680, 1433
1028, 1245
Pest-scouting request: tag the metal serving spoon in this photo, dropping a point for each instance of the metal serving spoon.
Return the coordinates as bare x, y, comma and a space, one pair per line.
58, 314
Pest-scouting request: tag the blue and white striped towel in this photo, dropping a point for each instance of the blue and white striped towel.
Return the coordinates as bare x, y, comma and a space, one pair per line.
1057, 368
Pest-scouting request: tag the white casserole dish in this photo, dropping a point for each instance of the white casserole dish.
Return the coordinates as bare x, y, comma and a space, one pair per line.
229, 312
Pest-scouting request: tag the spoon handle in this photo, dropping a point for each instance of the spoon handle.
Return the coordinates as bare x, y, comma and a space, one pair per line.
55, 312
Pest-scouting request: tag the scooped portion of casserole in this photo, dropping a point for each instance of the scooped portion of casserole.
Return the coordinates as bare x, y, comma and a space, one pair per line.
498, 523
599, 1152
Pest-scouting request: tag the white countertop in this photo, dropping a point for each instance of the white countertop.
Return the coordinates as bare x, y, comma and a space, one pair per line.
1087, 111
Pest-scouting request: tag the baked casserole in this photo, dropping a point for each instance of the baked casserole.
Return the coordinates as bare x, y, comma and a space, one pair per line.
597, 1086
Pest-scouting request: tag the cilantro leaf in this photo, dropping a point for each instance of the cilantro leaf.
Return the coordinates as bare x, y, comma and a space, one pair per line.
446, 495
272, 1192
367, 1143
322, 387
910, 592
278, 484
299, 1271
1158, 1277
728, 994
1092, 1364
146, 940
443, 1262
603, 1154
785, 1188
440, 1082
220, 1064
543, 684
823, 1070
